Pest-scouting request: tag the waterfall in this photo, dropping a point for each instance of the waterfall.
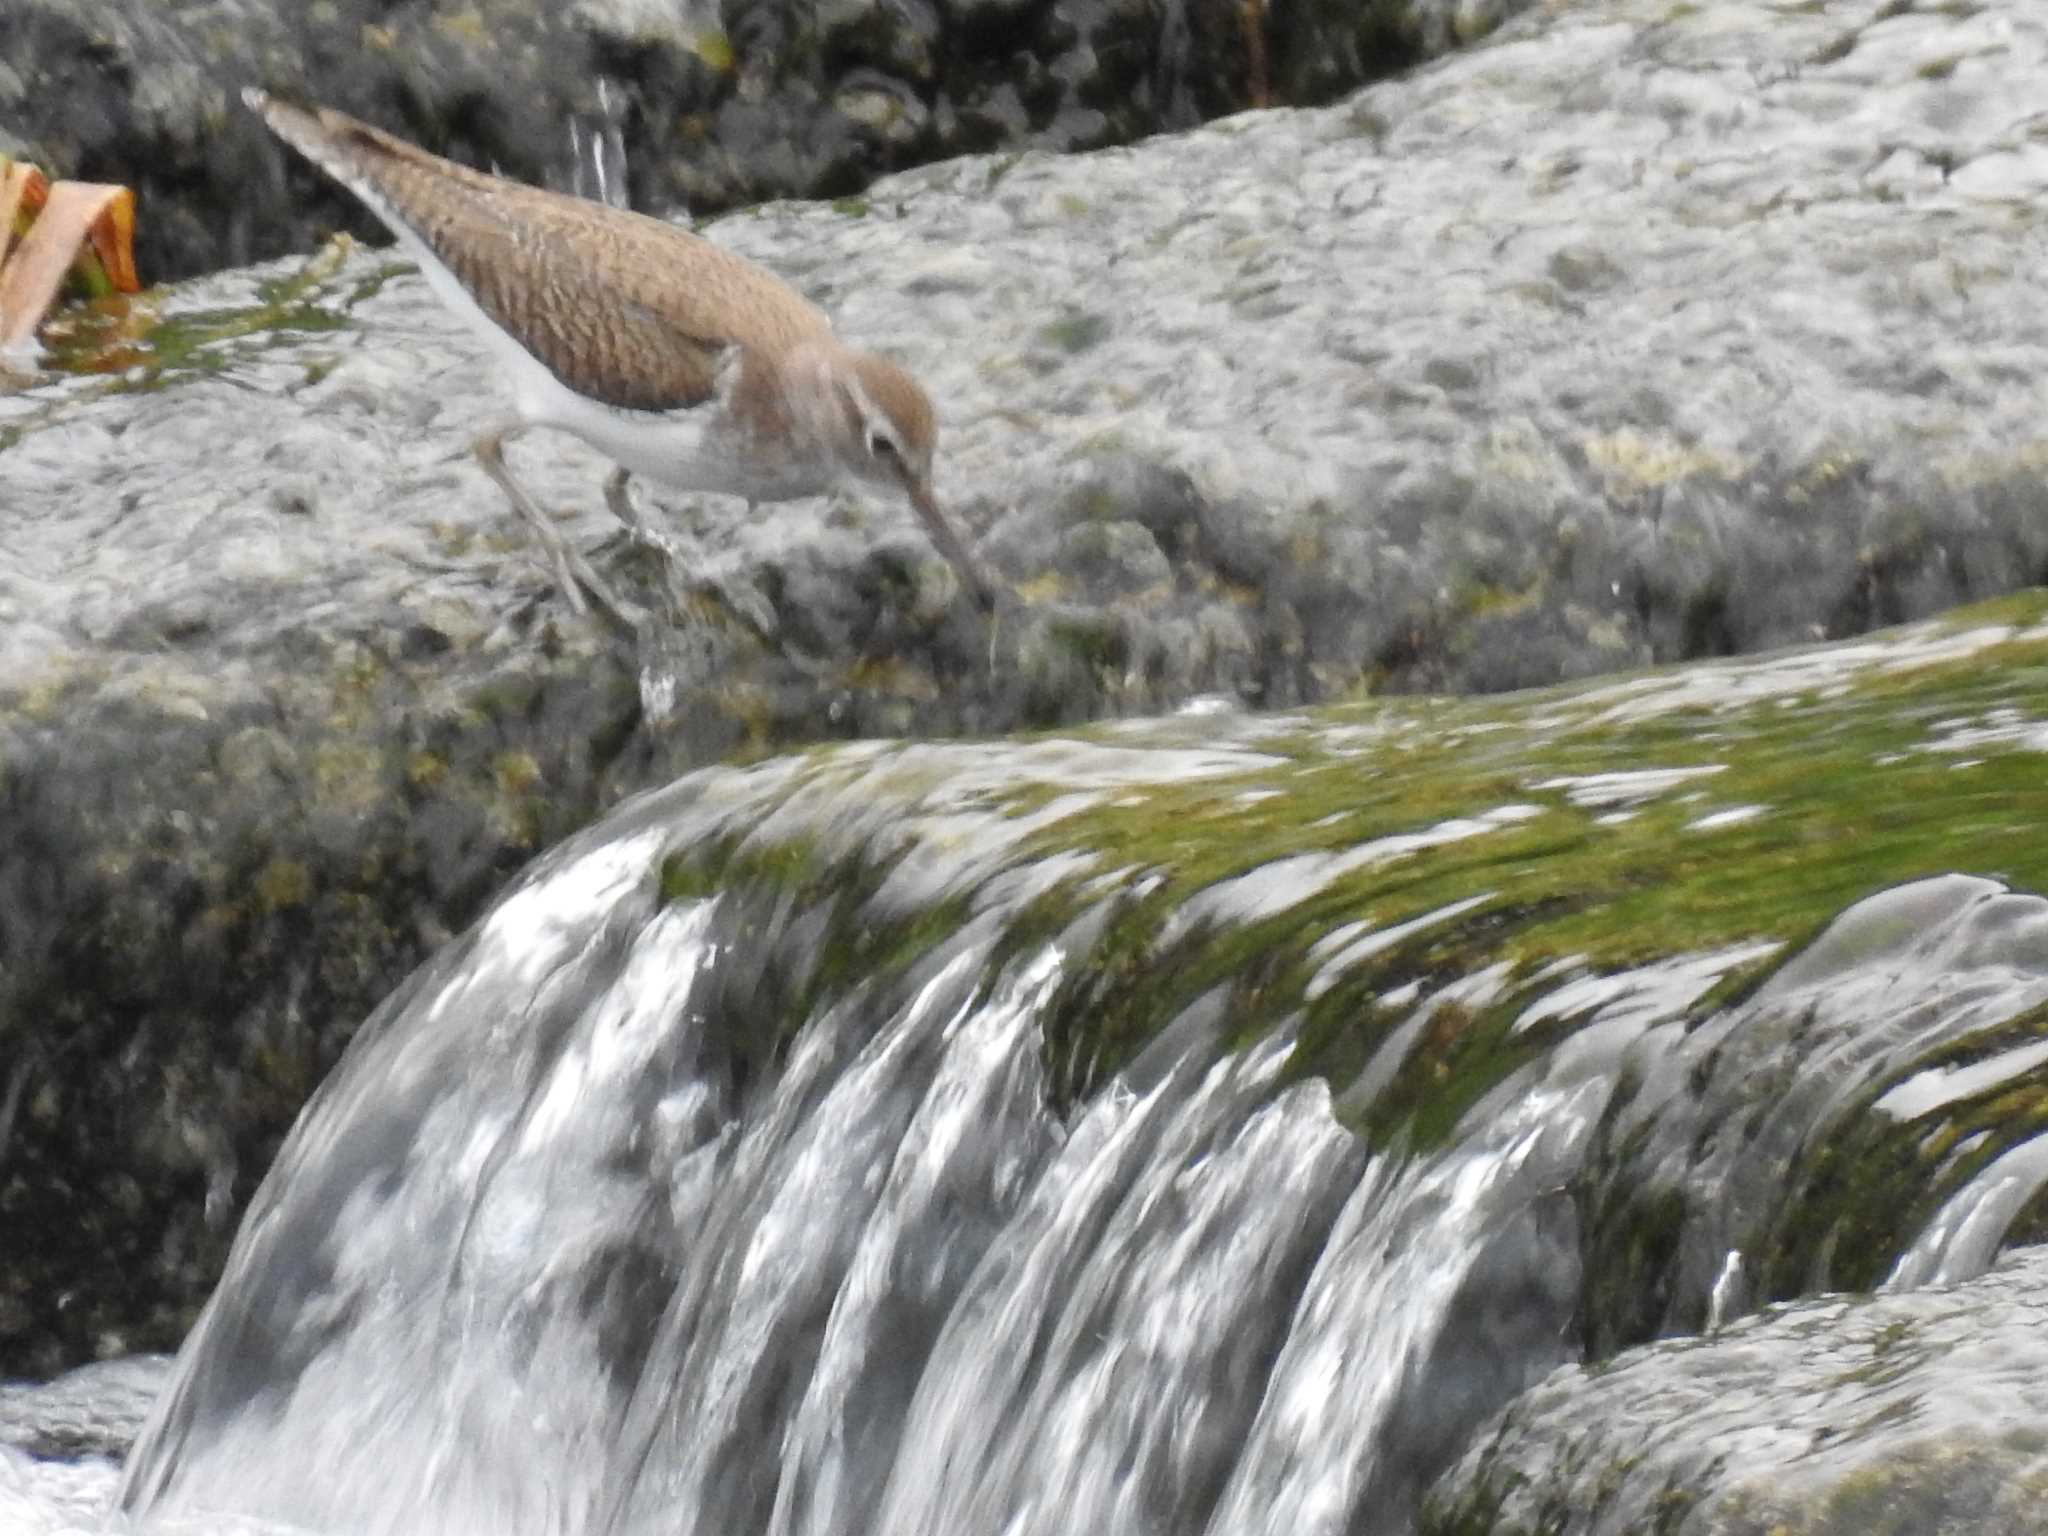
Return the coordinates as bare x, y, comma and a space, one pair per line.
561, 1248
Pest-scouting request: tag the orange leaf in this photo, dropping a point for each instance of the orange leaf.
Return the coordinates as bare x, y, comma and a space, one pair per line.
30, 277
23, 190
113, 240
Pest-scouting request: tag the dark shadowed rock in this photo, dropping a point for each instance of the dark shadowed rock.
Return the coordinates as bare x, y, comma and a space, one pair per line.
717, 105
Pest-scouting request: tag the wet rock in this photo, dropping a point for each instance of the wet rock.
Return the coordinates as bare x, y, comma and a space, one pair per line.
1111, 560
1923, 1411
1487, 377
93, 1411
718, 106
1723, 1147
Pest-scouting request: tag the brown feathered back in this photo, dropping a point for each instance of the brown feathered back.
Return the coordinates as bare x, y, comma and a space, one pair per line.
589, 290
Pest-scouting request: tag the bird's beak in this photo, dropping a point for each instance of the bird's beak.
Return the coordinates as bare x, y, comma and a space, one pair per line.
951, 545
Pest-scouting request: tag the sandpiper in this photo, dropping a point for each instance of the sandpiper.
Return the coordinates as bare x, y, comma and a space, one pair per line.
676, 358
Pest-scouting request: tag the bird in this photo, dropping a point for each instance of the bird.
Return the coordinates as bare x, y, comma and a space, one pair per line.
677, 359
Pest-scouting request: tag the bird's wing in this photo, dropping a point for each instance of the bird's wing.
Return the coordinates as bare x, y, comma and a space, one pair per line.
620, 307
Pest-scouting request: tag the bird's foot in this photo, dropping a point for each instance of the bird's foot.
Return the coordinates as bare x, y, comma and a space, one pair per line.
578, 580
691, 595
619, 500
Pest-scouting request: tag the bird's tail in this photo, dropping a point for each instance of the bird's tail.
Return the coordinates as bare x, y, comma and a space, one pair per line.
391, 176
323, 137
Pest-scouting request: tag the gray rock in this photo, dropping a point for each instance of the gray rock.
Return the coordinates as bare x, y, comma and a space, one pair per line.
1111, 560
1914, 1412
717, 105
1634, 334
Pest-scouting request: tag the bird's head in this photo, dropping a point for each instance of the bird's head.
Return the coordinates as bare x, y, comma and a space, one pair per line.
890, 421
891, 430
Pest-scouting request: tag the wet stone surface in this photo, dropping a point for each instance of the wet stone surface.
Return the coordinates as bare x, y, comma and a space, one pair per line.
719, 105
1482, 379
1634, 333
1785, 1145
1920, 1412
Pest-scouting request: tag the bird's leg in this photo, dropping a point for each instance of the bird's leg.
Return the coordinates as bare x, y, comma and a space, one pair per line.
490, 453
618, 500
572, 571
683, 585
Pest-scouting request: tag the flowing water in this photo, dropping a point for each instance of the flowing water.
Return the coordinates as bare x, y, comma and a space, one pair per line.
544, 1260
814, 1149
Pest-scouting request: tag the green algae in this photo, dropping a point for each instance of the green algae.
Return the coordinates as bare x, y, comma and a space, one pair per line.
1863, 1195
715, 50
1831, 792
1931, 1486
140, 350
776, 888
1755, 801
1075, 331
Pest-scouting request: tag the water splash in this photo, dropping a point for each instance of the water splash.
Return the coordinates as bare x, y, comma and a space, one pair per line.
597, 151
